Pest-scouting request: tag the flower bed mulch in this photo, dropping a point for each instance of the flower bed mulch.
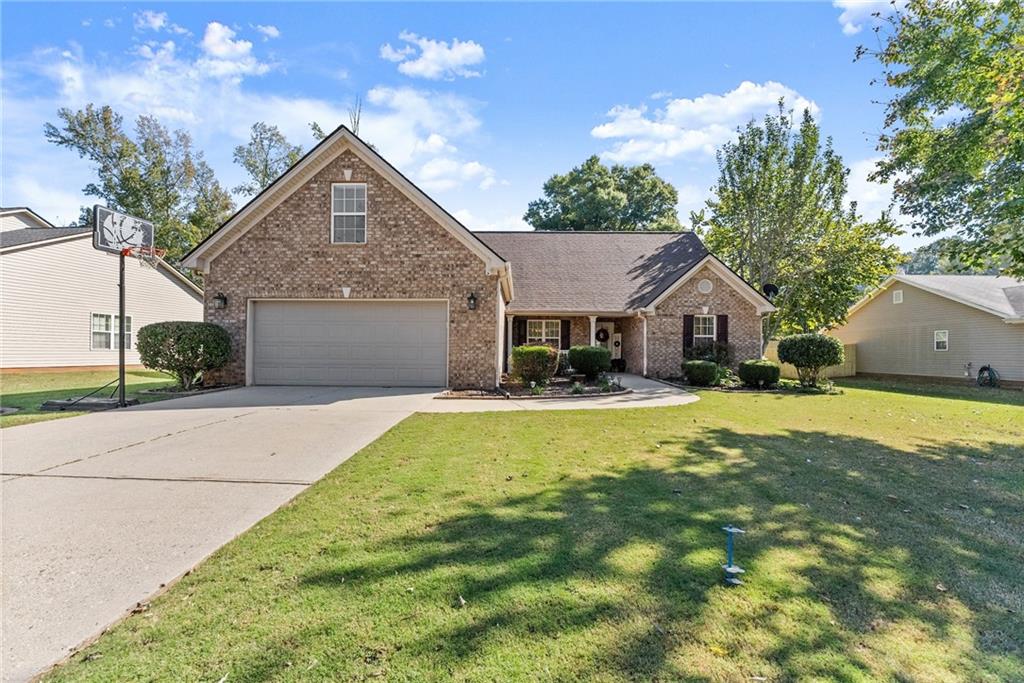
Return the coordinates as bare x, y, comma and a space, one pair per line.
785, 386
178, 391
559, 387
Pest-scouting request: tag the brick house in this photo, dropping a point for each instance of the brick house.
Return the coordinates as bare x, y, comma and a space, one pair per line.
344, 272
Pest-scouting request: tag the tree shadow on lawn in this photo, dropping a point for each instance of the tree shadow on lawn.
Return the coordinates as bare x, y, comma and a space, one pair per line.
861, 563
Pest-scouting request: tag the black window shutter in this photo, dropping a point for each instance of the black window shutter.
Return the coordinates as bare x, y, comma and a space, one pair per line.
565, 335
687, 331
722, 329
518, 331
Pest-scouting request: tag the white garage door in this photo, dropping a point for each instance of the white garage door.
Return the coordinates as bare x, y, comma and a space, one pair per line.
350, 343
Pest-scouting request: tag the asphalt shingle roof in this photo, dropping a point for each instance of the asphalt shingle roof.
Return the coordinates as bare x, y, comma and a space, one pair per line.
16, 238
593, 271
999, 293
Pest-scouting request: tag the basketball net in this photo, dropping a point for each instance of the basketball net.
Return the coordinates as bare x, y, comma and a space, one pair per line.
146, 255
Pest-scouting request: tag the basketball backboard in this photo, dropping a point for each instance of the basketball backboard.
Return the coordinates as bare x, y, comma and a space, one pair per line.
114, 231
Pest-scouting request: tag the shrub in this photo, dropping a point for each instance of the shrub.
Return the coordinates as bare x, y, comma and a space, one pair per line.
716, 352
590, 360
810, 353
759, 373
185, 349
700, 373
534, 363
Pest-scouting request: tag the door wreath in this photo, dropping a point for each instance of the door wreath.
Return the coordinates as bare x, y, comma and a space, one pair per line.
602, 335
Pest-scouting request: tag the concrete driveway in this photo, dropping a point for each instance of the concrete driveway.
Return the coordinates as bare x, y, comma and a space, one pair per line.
101, 511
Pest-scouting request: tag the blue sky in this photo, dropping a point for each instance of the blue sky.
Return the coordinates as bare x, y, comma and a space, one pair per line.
477, 103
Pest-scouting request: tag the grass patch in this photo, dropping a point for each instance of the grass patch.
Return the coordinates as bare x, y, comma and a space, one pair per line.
884, 543
28, 390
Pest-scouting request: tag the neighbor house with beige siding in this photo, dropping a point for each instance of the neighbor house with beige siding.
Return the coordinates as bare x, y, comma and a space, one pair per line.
59, 298
945, 326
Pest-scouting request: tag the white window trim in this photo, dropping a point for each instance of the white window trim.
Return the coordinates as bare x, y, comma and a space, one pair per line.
364, 214
897, 296
936, 340
544, 338
115, 329
714, 329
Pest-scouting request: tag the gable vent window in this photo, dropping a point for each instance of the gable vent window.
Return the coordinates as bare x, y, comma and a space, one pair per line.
897, 296
348, 213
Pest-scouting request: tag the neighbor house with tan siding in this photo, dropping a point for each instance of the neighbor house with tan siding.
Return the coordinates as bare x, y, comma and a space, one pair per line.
945, 326
59, 296
343, 272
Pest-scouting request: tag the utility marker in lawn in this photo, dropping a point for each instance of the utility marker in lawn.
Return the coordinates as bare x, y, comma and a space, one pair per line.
732, 570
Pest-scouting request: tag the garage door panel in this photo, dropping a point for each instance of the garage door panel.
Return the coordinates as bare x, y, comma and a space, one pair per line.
374, 343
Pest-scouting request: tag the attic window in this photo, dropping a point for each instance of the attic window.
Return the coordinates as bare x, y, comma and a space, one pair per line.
897, 296
348, 213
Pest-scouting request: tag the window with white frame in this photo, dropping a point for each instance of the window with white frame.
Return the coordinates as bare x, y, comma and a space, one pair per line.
348, 213
942, 340
106, 332
897, 296
703, 328
544, 333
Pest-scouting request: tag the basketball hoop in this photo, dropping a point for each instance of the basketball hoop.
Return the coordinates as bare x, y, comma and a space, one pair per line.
146, 255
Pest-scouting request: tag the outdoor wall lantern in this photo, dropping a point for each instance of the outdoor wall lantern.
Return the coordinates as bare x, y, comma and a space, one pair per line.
220, 300
471, 301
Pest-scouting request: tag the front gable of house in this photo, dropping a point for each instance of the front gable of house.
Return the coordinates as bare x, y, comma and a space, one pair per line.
292, 257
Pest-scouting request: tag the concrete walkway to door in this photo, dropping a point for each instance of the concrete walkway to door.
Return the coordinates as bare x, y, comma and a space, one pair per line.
101, 511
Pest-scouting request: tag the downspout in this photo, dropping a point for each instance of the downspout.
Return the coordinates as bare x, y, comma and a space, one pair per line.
644, 318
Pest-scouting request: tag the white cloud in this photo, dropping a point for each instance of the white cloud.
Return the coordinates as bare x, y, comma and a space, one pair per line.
150, 20
269, 31
437, 59
691, 126
109, 23
856, 14
507, 223
872, 198
442, 173
409, 126
86, 23
228, 56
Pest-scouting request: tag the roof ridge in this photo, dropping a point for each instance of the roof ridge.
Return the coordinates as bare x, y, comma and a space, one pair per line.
584, 232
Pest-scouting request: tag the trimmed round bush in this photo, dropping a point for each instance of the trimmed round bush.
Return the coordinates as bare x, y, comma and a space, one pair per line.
590, 360
534, 363
759, 373
184, 348
700, 373
810, 353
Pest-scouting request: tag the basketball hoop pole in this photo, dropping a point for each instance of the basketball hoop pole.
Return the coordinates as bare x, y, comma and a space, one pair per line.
121, 402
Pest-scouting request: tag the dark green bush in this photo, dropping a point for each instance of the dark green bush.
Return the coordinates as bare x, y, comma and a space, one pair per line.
185, 349
700, 373
759, 373
716, 352
810, 354
534, 364
590, 360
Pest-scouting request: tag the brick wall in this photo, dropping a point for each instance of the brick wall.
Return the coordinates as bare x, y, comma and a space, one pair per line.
665, 329
633, 343
288, 254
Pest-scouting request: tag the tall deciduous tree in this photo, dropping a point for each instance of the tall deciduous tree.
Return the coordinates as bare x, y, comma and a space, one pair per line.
954, 126
780, 216
266, 156
593, 196
155, 174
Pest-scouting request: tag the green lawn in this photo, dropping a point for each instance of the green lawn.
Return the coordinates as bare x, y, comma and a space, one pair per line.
884, 543
28, 390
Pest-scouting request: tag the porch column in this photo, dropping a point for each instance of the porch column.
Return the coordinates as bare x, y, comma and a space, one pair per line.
508, 338
593, 330
645, 346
